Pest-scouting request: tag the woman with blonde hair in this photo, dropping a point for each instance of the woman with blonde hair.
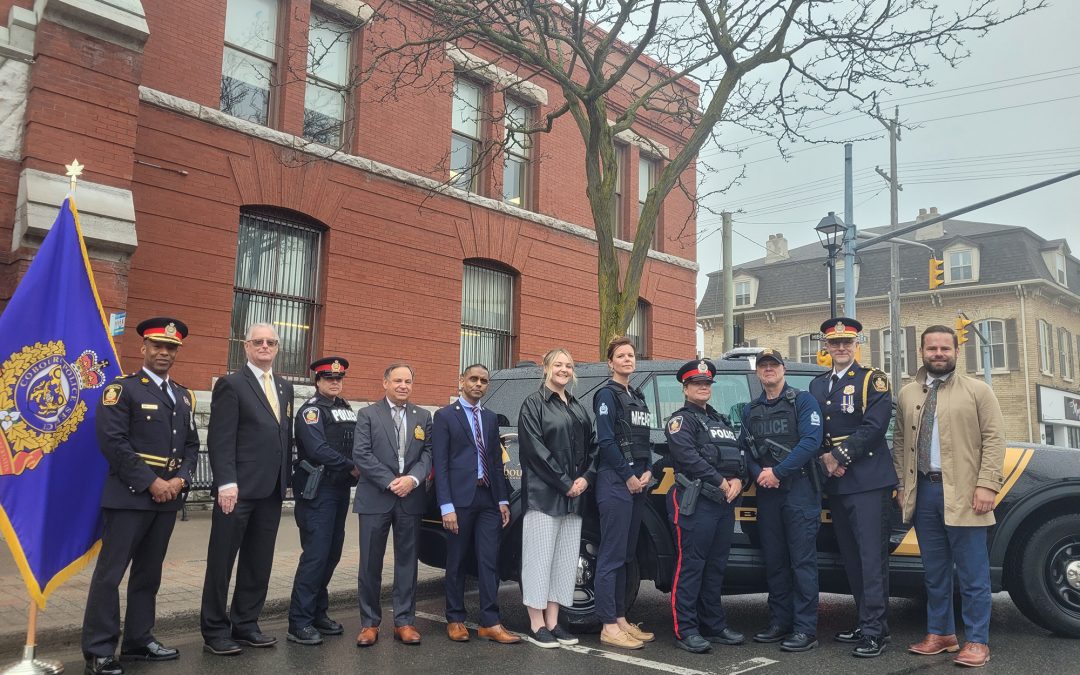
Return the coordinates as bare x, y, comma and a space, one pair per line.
558, 461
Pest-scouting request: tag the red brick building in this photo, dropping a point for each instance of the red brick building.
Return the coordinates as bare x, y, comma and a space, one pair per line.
205, 198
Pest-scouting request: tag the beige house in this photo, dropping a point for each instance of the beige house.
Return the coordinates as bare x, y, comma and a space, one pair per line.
1022, 291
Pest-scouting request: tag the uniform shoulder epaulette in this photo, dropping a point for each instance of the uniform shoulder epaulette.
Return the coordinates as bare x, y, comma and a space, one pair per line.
128, 376
821, 375
310, 400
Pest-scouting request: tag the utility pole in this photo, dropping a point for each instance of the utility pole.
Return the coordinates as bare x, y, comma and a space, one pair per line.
850, 292
893, 127
729, 289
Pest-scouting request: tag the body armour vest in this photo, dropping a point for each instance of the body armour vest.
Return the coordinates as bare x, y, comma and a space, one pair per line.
632, 423
719, 446
778, 422
339, 425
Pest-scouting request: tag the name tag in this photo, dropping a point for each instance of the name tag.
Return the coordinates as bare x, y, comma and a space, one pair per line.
149, 406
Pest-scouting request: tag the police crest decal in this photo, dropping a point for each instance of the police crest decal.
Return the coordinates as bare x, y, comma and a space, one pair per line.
41, 402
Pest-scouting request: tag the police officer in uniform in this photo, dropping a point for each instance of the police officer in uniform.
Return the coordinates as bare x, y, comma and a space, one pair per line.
624, 470
709, 473
781, 434
324, 475
146, 430
857, 405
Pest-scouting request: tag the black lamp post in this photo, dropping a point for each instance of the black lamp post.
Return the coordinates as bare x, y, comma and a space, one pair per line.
830, 232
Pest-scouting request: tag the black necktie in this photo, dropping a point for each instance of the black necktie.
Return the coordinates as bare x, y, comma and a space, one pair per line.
832, 381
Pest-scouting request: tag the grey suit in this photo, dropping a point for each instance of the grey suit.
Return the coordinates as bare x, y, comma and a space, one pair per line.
375, 453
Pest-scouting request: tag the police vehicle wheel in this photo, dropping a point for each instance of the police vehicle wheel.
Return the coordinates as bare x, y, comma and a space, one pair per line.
581, 618
1048, 574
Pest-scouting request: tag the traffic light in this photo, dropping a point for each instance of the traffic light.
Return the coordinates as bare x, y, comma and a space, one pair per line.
937, 273
961, 329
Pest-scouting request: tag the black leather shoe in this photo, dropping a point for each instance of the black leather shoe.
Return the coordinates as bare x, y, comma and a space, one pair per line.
799, 642
222, 647
695, 644
153, 651
773, 633
870, 647
103, 665
727, 636
254, 639
851, 637
308, 635
328, 626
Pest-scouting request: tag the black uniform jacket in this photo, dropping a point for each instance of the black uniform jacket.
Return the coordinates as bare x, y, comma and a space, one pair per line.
557, 445
145, 436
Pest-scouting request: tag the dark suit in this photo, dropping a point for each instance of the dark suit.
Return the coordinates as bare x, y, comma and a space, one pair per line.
144, 435
251, 448
455, 458
375, 453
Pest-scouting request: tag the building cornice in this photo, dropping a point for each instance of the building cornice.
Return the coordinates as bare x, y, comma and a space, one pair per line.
217, 118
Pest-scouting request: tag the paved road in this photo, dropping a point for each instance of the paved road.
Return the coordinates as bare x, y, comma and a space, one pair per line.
1018, 646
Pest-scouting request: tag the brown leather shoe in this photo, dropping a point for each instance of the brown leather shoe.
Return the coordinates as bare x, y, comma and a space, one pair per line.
935, 644
368, 636
457, 631
407, 635
634, 630
973, 655
498, 634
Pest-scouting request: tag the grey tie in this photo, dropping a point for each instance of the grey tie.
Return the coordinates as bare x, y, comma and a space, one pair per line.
926, 427
399, 424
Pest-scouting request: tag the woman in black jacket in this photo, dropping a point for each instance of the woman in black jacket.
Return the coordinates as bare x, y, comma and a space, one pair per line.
558, 461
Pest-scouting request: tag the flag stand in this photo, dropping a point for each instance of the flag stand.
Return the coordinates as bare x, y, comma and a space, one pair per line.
29, 664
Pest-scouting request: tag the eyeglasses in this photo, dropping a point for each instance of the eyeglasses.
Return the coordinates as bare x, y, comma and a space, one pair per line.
259, 342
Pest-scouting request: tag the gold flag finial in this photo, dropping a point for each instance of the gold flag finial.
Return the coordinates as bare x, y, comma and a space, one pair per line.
74, 170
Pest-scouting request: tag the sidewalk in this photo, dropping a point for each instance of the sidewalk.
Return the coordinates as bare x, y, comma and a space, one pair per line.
181, 584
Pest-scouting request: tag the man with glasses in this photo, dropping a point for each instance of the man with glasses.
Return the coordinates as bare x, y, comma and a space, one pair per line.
857, 406
250, 446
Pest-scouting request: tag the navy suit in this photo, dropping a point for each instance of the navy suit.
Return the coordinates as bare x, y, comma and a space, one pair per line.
857, 412
457, 468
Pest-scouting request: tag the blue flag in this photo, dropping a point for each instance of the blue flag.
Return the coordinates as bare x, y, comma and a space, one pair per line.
55, 355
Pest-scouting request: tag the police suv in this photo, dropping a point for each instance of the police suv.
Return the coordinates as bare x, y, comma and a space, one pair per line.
1034, 548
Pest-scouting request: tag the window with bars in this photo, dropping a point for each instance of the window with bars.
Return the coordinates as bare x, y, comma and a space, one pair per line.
487, 316
638, 330
326, 98
277, 272
466, 136
516, 160
249, 60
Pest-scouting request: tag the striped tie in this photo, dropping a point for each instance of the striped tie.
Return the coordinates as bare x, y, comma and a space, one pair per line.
481, 450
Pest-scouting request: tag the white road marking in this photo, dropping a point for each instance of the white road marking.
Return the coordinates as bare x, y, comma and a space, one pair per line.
733, 669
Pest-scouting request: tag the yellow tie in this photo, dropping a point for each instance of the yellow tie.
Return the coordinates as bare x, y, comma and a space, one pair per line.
271, 395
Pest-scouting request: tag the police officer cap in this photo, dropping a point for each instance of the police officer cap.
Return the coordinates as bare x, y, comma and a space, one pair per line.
698, 370
770, 355
840, 327
332, 367
163, 329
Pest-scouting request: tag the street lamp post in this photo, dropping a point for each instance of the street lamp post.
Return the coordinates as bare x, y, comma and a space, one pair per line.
830, 231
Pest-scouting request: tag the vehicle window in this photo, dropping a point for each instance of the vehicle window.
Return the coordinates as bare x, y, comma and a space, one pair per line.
801, 382
728, 392
648, 390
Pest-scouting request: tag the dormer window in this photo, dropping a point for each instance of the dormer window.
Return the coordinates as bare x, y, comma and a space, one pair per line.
1059, 268
742, 293
960, 265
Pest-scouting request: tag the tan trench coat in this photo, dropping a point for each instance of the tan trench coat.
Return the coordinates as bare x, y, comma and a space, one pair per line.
972, 445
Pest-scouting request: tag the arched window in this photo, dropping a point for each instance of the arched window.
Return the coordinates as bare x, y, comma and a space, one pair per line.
277, 275
487, 315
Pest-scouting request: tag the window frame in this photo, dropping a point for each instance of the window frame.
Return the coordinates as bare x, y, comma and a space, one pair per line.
1045, 341
886, 352
275, 222
343, 88
810, 357
246, 53
970, 266
642, 317
1061, 269
749, 293
523, 154
652, 164
507, 334
618, 224
985, 327
1065, 355
476, 142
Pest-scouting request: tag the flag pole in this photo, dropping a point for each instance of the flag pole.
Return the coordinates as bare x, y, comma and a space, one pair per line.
29, 664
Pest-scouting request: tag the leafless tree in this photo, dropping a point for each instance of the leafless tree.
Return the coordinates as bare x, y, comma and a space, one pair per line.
761, 65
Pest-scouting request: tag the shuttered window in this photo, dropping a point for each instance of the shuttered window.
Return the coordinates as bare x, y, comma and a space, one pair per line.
277, 272
487, 311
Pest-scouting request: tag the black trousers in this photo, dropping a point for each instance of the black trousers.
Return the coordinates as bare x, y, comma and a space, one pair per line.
249, 532
703, 540
139, 538
479, 532
322, 536
374, 531
788, 525
861, 524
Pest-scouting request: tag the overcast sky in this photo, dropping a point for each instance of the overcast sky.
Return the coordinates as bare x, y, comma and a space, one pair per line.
1030, 66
